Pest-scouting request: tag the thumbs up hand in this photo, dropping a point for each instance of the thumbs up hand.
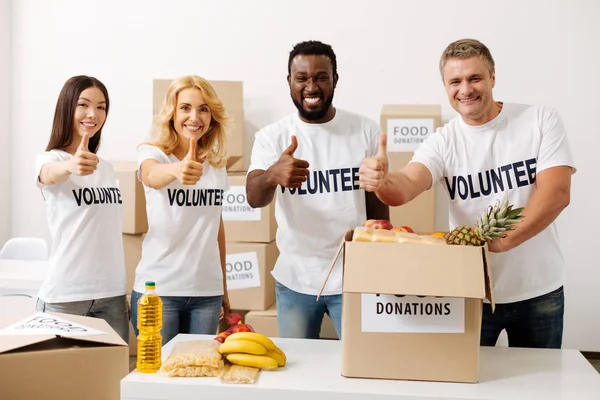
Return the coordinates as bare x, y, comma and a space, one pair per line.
190, 169
83, 162
288, 171
374, 169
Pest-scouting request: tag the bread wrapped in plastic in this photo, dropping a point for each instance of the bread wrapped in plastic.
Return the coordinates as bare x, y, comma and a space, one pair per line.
363, 234
383, 235
194, 358
425, 239
239, 374
407, 237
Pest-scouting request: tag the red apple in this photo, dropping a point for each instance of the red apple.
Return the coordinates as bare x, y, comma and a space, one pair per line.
378, 224
407, 229
403, 228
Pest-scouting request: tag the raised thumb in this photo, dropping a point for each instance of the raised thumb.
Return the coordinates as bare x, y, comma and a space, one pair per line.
382, 145
292, 148
192, 153
85, 140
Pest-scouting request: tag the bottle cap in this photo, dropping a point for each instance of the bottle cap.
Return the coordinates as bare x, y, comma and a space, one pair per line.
150, 285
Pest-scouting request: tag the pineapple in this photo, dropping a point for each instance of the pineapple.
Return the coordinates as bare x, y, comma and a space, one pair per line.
494, 222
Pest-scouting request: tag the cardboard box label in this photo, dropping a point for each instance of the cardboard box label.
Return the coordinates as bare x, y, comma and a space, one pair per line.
412, 314
45, 324
406, 134
242, 271
236, 207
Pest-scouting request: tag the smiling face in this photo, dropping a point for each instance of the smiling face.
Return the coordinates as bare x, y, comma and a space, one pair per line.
312, 85
469, 84
90, 113
192, 115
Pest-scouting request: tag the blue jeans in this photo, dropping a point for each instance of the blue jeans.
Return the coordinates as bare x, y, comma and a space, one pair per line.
197, 315
111, 309
536, 323
300, 315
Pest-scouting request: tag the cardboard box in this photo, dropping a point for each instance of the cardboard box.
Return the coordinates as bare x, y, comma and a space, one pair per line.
412, 311
249, 281
135, 220
68, 359
407, 126
242, 222
231, 94
265, 322
132, 246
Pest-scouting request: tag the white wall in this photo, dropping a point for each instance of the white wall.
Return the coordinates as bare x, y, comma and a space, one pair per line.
546, 52
5, 132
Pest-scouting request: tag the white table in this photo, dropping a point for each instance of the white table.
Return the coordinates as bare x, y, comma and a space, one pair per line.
20, 281
313, 373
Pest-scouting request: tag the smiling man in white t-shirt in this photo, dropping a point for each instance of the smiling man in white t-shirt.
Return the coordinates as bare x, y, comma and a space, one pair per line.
492, 150
309, 160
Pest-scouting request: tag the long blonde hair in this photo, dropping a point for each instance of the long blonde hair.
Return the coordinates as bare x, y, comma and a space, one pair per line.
212, 145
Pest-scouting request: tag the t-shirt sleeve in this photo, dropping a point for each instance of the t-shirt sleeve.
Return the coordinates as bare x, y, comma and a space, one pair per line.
430, 154
146, 152
41, 159
554, 149
263, 153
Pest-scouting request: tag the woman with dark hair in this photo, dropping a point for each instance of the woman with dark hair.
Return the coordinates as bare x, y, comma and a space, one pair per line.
84, 211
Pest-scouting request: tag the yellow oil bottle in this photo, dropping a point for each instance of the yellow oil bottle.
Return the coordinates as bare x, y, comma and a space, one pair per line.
149, 324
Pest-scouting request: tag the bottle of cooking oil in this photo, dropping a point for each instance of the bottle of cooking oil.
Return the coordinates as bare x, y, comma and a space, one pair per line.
149, 324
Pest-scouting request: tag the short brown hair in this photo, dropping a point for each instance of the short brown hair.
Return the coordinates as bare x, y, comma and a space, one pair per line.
467, 48
64, 114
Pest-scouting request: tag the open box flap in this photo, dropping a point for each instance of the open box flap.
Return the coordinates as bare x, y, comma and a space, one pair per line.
347, 237
489, 284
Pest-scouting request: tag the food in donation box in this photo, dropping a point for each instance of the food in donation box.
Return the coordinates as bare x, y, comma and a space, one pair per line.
235, 356
400, 234
493, 224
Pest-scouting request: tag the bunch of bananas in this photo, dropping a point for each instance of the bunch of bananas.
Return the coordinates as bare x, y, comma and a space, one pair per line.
252, 349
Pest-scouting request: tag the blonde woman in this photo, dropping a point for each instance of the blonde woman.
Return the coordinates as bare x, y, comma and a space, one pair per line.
184, 178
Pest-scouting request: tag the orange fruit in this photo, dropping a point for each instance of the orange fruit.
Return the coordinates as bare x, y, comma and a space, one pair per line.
438, 234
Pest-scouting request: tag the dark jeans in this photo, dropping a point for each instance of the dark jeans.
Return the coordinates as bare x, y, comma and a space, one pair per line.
536, 322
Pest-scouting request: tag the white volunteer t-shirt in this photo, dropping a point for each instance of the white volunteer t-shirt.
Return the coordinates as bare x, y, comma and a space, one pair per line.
84, 216
313, 219
478, 165
180, 251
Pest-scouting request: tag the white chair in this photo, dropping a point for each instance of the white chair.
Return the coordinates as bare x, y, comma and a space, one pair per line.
25, 248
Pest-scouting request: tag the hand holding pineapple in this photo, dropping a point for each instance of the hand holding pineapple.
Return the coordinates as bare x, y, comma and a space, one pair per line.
493, 225
374, 169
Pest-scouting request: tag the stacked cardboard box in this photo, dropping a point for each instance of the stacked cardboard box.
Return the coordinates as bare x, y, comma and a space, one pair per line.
407, 126
251, 248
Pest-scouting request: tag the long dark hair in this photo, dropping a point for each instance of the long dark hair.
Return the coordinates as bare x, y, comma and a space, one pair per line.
62, 127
